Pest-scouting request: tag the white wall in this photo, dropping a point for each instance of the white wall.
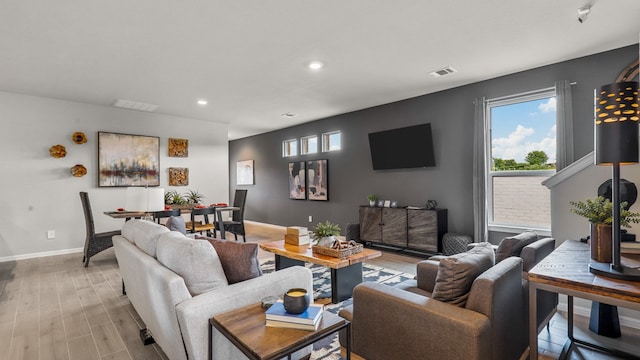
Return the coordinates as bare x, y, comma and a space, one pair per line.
38, 191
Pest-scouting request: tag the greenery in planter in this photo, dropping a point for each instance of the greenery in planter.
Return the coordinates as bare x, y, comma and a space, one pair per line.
325, 229
372, 197
600, 211
193, 197
172, 197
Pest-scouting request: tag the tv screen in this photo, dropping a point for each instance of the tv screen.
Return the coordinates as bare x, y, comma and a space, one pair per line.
403, 148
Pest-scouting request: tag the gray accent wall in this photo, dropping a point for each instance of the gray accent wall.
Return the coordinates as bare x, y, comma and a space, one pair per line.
450, 112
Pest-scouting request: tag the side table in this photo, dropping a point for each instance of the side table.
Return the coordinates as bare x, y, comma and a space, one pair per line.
246, 329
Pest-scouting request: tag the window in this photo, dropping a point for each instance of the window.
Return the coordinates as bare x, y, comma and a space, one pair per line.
309, 145
521, 154
331, 141
289, 148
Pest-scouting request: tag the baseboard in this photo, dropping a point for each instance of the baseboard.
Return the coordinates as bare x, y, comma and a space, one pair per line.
39, 255
586, 312
275, 227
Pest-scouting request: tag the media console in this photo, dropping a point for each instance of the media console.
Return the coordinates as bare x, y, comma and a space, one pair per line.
415, 229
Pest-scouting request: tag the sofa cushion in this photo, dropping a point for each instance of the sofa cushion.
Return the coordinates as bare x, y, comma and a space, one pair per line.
144, 234
239, 260
513, 245
456, 274
176, 223
195, 261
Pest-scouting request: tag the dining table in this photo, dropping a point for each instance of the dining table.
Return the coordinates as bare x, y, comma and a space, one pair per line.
128, 215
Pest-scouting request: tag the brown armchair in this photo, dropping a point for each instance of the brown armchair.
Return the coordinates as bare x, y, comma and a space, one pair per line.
393, 323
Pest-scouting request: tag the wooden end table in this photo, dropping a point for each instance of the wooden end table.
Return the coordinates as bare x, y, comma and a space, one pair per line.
345, 273
246, 329
566, 271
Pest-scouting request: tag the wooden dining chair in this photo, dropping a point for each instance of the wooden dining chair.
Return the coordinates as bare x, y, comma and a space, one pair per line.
157, 215
236, 224
94, 242
203, 225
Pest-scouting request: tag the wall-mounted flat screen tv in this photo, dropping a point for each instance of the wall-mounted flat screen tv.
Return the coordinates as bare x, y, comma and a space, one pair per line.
403, 148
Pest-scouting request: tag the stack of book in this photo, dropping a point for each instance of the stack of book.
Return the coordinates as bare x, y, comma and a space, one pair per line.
308, 320
297, 235
630, 247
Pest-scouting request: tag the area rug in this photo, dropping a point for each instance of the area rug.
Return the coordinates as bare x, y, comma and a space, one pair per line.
329, 348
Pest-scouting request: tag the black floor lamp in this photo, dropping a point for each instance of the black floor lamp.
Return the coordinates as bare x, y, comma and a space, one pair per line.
616, 143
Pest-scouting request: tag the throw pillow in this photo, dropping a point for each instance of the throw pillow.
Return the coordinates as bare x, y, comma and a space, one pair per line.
513, 245
176, 223
195, 261
144, 234
456, 274
239, 260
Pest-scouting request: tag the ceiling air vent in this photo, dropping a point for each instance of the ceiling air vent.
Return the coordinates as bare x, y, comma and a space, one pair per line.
135, 105
442, 72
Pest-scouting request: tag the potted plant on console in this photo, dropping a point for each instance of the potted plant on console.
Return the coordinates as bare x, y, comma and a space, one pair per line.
324, 233
599, 212
372, 199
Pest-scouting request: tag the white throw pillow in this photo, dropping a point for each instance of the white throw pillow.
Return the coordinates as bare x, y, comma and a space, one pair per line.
195, 261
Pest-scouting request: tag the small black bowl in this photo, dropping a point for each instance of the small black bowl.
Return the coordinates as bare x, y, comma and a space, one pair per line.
296, 301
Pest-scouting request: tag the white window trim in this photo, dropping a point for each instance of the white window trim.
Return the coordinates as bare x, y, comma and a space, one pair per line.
327, 134
302, 141
284, 143
489, 174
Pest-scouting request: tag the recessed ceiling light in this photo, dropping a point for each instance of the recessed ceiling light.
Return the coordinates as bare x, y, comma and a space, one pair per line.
202, 102
316, 65
288, 115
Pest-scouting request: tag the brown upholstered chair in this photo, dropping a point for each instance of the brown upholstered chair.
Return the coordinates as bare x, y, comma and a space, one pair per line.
94, 242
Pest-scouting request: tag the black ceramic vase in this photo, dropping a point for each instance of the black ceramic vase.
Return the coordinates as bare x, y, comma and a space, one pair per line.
296, 301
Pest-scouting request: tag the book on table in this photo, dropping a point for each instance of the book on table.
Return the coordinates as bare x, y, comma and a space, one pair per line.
311, 316
291, 325
630, 247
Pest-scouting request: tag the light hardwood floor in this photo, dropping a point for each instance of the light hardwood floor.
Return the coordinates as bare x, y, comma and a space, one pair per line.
54, 308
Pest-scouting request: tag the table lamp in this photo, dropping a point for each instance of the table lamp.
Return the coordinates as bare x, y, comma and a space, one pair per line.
616, 143
145, 199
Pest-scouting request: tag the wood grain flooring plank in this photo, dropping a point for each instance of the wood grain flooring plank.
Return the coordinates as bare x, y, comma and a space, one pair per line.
6, 334
120, 355
83, 348
107, 339
75, 324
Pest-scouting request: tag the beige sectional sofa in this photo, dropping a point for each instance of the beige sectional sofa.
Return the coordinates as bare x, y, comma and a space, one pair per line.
176, 284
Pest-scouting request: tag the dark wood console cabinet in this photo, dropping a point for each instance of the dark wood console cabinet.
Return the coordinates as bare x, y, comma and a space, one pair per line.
413, 229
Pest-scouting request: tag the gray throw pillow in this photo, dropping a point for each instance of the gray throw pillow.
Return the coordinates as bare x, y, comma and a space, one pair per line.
239, 260
176, 223
513, 245
195, 261
456, 274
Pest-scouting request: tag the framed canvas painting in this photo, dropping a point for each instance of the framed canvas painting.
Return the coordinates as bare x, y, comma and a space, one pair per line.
128, 160
297, 184
244, 172
317, 180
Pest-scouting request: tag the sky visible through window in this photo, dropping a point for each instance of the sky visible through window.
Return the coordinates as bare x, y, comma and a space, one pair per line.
517, 129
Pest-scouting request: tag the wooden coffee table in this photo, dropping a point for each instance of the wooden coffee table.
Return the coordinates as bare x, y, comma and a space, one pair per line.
246, 329
345, 273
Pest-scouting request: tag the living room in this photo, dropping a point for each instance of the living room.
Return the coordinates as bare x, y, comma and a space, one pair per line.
41, 195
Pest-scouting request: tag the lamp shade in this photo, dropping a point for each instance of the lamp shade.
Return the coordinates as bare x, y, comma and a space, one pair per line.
144, 199
616, 123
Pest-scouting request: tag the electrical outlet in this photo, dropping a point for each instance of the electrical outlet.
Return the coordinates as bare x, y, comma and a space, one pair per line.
51, 234
310, 218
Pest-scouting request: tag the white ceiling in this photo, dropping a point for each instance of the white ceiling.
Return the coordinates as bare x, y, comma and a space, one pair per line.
248, 57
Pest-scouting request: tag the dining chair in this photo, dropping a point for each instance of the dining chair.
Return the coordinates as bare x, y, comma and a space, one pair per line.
201, 226
157, 215
236, 224
94, 242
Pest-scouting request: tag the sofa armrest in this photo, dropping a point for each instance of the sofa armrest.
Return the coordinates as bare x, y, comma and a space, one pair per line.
426, 272
533, 253
194, 314
389, 323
